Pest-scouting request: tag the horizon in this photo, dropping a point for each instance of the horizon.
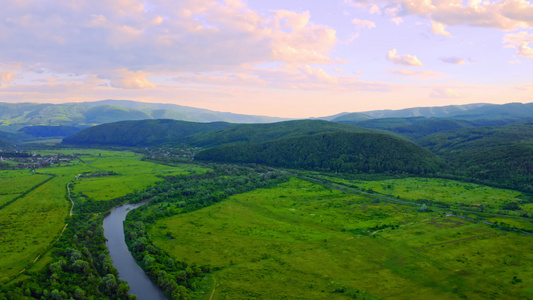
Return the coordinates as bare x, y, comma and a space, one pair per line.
289, 118
299, 59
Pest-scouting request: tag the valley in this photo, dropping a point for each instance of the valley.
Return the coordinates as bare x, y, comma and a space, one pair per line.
396, 208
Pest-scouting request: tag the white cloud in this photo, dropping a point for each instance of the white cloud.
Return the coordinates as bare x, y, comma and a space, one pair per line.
406, 60
363, 24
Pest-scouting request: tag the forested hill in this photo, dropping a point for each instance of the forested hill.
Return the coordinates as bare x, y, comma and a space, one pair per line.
497, 155
352, 152
255, 133
158, 132
414, 128
140, 133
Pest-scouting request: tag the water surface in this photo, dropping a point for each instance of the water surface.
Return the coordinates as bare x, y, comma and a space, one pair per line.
128, 269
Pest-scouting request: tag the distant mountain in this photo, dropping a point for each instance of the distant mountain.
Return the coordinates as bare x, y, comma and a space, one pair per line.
478, 111
350, 152
183, 113
428, 112
14, 116
352, 117
505, 113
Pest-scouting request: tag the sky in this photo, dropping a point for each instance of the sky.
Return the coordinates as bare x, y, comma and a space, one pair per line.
292, 59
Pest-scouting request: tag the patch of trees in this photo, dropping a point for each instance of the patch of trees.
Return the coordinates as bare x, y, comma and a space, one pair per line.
81, 267
499, 156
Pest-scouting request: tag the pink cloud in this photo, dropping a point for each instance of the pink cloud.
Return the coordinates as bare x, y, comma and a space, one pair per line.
6, 76
406, 60
363, 23
421, 74
520, 41
444, 93
126, 79
501, 14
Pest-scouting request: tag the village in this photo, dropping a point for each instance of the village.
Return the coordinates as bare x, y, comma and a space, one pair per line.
15, 160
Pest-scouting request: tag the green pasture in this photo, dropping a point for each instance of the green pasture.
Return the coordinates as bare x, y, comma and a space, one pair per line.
30, 224
302, 241
132, 174
14, 182
436, 189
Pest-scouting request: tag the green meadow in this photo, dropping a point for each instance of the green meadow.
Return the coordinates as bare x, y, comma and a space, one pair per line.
302, 241
32, 222
14, 183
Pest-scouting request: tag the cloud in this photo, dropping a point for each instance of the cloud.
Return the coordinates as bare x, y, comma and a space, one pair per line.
520, 41
444, 93
439, 28
6, 76
501, 14
339, 70
525, 87
453, 60
93, 36
421, 74
363, 24
406, 60
125, 79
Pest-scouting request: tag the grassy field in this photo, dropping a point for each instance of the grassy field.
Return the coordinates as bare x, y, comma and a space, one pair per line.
303, 241
30, 224
442, 190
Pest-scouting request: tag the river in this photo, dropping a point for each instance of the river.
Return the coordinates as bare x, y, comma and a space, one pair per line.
140, 284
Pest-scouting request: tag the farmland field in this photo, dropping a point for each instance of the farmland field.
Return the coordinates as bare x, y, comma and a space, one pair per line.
30, 224
301, 240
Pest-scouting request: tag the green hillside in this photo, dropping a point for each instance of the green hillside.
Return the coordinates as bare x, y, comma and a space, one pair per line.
256, 133
140, 133
501, 155
352, 152
158, 132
